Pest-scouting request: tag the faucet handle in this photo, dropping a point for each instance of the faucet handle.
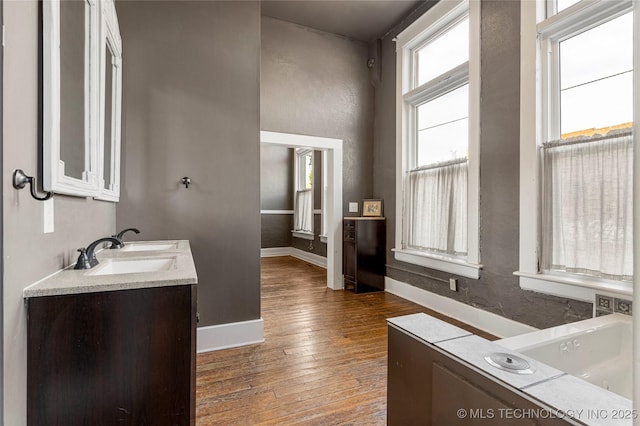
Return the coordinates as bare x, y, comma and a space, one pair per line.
83, 260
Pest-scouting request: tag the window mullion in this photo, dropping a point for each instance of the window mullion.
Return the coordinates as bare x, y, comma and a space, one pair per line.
553, 92
581, 17
440, 85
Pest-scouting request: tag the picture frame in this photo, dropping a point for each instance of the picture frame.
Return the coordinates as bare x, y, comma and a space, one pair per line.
372, 208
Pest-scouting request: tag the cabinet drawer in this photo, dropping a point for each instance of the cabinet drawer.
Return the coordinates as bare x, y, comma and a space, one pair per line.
349, 224
349, 235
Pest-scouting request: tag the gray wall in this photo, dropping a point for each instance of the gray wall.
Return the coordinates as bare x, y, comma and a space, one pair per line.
276, 193
315, 83
191, 108
497, 289
30, 255
314, 246
276, 177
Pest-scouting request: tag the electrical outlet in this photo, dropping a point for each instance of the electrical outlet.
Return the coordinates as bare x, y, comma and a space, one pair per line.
353, 207
453, 284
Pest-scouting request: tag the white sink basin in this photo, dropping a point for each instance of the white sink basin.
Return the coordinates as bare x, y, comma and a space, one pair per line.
134, 266
149, 246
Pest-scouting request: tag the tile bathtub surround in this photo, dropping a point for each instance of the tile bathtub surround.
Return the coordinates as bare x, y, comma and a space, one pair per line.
427, 328
558, 393
473, 349
469, 347
623, 306
604, 302
583, 401
605, 305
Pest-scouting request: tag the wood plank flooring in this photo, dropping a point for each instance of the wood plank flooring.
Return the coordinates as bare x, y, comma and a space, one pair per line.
323, 360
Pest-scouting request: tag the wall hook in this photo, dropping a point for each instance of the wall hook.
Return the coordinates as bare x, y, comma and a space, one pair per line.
20, 180
186, 181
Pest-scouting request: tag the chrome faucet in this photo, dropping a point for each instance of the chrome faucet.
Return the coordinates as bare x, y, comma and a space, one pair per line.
87, 258
120, 236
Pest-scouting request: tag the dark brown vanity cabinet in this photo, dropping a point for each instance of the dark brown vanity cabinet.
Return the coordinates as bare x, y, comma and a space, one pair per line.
364, 253
113, 357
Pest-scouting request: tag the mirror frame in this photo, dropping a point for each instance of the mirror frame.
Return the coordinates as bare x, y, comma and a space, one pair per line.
110, 44
54, 177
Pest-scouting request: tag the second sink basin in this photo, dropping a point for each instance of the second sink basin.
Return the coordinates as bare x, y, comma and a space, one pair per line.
134, 266
149, 246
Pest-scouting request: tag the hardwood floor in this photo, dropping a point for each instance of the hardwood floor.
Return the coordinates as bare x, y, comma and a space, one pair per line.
323, 360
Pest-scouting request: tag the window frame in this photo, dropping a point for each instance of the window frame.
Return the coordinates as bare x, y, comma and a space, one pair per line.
539, 87
298, 184
432, 23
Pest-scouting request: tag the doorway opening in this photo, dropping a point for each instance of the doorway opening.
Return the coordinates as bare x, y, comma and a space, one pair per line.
332, 165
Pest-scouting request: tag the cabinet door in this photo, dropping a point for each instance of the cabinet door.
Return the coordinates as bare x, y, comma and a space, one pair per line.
117, 357
350, 261
371, 255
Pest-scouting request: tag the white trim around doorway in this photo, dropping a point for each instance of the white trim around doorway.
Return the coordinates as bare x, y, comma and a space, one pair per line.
332, 150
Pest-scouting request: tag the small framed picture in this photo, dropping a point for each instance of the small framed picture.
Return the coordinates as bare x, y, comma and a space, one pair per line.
372, 208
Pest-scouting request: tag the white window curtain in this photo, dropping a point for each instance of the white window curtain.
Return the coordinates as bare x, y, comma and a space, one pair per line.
303, 213
588, 205
437, 208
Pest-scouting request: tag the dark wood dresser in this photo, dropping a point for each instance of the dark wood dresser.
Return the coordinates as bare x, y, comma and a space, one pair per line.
364, 253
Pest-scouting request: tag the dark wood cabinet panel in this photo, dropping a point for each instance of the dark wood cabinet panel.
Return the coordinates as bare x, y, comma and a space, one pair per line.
117, 357
364, 253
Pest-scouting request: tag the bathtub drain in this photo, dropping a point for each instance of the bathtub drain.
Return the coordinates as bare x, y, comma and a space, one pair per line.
509, 362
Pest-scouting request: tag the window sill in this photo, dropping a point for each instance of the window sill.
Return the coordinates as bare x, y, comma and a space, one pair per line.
323, 239
303, 235
440, 263
579, 288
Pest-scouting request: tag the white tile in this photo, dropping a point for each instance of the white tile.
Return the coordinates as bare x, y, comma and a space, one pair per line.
588, 403
428, 328
473, 349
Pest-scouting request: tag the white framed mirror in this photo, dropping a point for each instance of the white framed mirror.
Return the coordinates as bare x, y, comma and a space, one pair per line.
70, 96
110, 104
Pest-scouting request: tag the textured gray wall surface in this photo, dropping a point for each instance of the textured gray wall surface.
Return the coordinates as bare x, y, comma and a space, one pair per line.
276, 193
276, 230
276, 177
497, 290
316, 246
29, 254
315, 83
191, 108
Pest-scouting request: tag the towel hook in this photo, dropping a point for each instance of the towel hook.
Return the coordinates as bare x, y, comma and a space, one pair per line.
186, 181
20, 180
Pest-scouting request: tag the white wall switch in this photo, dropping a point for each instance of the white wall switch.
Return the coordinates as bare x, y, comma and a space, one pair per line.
48, 216
453, 284
353, 207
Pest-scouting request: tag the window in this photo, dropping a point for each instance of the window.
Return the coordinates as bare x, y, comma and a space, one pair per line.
579, 154
437, 143
303, 200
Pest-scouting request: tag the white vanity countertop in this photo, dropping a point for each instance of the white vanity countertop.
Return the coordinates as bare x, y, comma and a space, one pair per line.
71, 281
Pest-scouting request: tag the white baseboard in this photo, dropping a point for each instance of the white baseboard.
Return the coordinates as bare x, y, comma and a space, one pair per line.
297, 253
309, 257
275, 251
478, 318
232, 335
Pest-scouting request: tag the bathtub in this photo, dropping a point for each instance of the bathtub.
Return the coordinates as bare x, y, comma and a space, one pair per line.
597, 350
